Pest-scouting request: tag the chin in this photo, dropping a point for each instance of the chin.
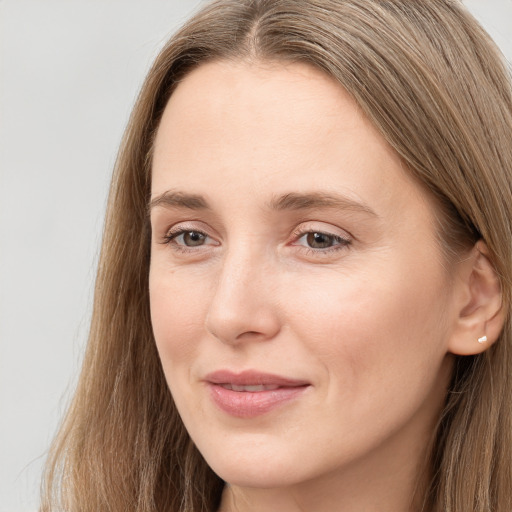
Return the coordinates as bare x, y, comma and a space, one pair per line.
259, 467
256, 476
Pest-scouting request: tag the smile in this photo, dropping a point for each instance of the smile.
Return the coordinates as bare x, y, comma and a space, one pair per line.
250, 393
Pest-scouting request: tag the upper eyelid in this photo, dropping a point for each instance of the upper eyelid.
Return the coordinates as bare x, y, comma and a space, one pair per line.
190, 225
335, 231
185, 229
324, 231
170, 233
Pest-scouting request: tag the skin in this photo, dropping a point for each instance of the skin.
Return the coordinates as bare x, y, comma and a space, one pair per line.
367, 319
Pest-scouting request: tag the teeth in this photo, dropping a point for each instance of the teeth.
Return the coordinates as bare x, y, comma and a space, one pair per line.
249, 389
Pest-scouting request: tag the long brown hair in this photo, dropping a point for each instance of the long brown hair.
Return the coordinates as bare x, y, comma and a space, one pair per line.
436, 87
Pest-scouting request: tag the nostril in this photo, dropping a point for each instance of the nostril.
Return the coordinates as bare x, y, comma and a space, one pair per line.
241, 309
254, 335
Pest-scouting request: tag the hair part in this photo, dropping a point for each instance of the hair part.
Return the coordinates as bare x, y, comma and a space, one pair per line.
436, 87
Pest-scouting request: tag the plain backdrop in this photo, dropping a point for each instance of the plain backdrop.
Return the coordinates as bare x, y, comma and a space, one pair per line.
69, 73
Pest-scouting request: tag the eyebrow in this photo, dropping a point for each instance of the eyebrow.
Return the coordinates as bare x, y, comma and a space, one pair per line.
311, 200
291, 201
171, 199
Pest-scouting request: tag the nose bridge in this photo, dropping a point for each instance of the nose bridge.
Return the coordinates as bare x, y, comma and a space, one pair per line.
241, 306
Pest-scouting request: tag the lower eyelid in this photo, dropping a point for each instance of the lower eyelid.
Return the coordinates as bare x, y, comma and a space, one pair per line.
343, 244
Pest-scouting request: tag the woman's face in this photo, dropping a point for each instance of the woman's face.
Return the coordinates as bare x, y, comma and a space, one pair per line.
300, 302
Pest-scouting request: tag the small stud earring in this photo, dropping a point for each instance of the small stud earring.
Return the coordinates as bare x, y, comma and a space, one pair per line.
483, 339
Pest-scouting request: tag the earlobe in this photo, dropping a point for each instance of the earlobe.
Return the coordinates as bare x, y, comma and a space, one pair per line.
480, 313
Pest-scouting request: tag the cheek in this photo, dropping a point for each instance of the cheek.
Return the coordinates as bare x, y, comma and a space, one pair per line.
178, 307
379, 343
368, 329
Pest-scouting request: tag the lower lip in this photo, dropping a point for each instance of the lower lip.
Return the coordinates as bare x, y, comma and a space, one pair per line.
246, 404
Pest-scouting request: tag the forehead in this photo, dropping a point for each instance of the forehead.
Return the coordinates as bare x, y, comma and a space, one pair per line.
251, 129
219, 96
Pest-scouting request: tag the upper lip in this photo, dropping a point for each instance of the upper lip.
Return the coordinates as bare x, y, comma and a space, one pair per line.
252, 378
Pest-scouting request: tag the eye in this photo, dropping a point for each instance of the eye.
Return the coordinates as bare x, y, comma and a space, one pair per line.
319, 242
190, 238
185, 239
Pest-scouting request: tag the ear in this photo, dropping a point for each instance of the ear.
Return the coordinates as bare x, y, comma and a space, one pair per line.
479, 304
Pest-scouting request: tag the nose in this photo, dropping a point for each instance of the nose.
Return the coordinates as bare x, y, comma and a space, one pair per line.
243, 304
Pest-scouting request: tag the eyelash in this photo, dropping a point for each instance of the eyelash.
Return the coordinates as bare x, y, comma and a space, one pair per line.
340, 241
171, 235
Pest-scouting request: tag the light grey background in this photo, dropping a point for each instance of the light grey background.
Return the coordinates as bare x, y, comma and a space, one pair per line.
69, 73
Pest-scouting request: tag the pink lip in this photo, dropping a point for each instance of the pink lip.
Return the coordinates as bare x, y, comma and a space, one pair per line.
248, 404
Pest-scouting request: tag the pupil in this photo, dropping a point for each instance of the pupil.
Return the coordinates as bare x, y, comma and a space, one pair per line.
193, 238
319, 240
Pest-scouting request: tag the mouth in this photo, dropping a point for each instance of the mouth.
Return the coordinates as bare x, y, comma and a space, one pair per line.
251, 393
249, 389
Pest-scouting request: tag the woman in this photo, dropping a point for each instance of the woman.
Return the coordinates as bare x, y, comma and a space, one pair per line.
304, 289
